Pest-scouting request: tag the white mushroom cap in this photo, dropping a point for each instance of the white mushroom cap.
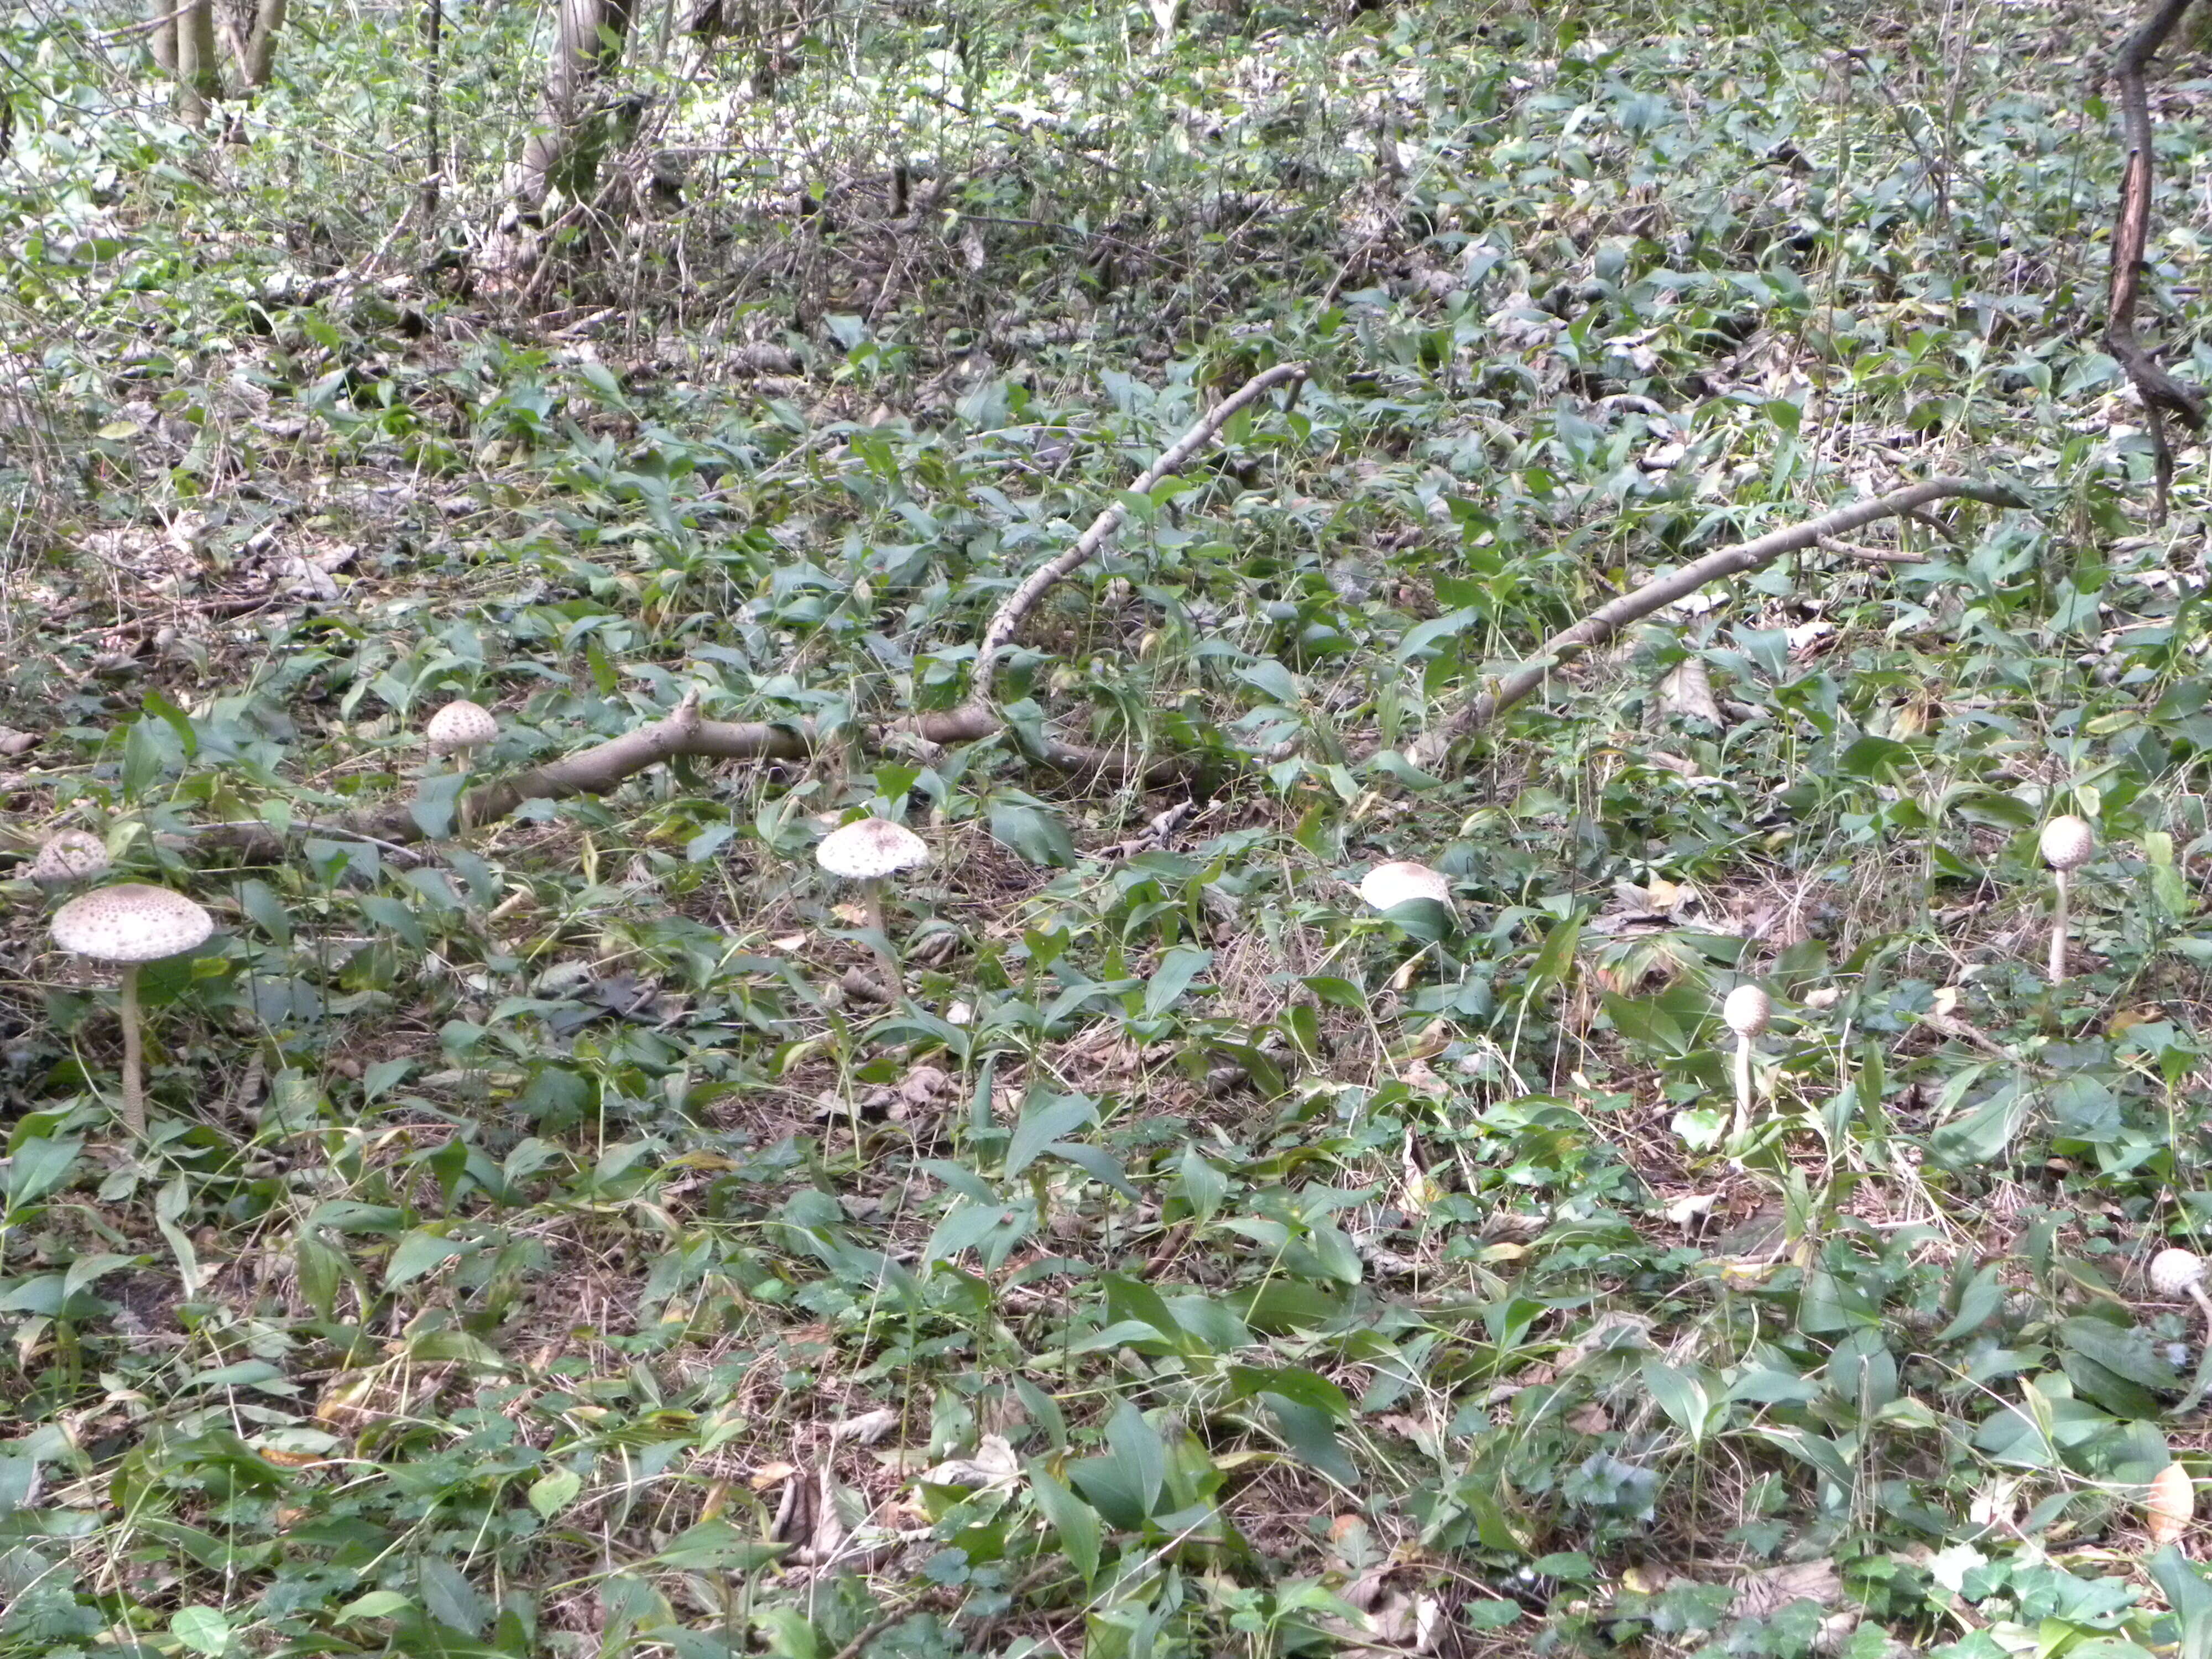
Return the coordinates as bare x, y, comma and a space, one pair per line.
70, 856
130, 923
867, 848
2174, 1270
1387, 886
458, 726
2067, 842
1746, 1010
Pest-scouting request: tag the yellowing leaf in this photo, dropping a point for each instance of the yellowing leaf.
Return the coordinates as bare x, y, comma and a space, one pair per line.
2170, 1505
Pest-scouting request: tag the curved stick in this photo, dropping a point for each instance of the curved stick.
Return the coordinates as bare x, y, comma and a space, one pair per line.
1608, 619
1014, 610
597, 770
2161, 394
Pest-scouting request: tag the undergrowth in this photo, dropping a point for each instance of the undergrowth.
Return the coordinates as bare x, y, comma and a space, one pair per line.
549, 1240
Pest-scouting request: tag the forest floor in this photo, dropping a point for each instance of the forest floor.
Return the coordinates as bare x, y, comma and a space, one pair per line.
549, 1236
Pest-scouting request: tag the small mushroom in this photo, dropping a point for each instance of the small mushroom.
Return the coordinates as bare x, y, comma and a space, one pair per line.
2174, 1270
1401, 881
866, 850
2067, 844
460, 728
1746, 1010
69, 855
130, 924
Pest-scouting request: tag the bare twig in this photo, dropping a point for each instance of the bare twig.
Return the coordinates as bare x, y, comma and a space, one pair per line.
1608, 619
1014, 610
2161, 394
1872, 554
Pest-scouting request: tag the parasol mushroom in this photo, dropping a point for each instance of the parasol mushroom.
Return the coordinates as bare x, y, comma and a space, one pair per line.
1746, 1011
1401, 881
69, 855
866, 850
130, 924
2067, 844
460, 728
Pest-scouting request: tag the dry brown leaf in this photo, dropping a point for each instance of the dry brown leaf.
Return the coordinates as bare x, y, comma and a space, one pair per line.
1689, 690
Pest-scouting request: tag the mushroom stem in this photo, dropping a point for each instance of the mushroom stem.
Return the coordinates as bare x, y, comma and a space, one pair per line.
872, 901
2203, 1301
134, 1083
1742, 1084
2058, 927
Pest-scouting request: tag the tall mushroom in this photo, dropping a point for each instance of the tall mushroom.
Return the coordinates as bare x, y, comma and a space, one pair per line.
460, 728
2067, 844
866, 850
130, 924
1746, 1010
69, 855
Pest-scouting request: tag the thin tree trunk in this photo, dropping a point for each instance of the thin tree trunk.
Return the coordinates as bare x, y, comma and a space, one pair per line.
200, 70
433, 148
563, 152
260, 59
162, 41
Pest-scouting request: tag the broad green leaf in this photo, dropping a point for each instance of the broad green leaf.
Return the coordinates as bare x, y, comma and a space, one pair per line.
202, 1629
551, 1493
1681, 1394
1037, 834
2123, 1352
1073, 1520
1204, 1187
1045, 1118
1177, 968
422, 1251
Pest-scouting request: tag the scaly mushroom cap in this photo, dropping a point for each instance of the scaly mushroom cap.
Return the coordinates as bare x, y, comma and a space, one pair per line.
458, 726
130, 923
1746, 1010
867, 848
71, 855
2067, 842
1401, 881
2174, 1270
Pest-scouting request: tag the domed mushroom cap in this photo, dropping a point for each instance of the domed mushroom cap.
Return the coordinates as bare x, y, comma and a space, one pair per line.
458, 726
1401, 881
2174, 1270
70, 856
1746, 1010
867, 848
2067, 842
130, 923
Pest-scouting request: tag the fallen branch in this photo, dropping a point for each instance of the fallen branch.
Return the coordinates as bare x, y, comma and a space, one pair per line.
597, 770
2161, 394
1608, 619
